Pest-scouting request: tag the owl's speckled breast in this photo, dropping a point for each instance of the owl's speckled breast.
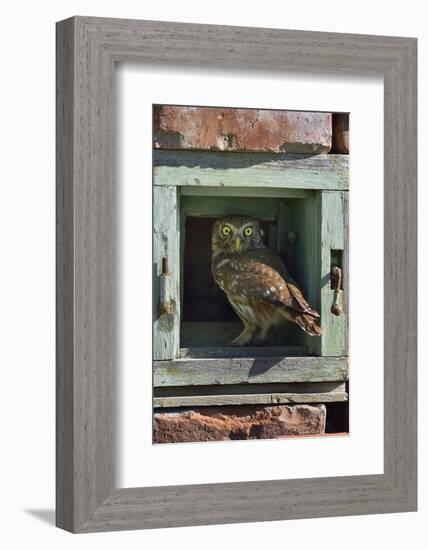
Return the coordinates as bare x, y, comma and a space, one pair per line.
256, 282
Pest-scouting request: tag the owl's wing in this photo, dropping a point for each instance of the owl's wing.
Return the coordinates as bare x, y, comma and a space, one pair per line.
298, 296
253, 276
278, 266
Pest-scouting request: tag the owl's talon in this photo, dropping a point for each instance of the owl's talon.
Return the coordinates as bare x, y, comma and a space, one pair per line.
239, 343
242, 340
260, 339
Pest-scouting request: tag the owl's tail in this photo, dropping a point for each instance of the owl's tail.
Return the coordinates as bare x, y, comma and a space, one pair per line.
307, 323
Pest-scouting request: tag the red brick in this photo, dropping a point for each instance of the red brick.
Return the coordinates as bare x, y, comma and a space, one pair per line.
239, 422
256, 130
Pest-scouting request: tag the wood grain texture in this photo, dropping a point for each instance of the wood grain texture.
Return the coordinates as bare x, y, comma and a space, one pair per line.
249, 351
248, 370
86, 242
334, 227
400, 273
256, 192
166, 244
303, 219
217, 207
250, 394
87, 48
186, 168
65, 278
271, 398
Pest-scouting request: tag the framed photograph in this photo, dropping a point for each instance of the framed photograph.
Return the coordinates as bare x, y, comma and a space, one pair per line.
236, 274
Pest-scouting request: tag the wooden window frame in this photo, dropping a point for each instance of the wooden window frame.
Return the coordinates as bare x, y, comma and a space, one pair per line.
321, 179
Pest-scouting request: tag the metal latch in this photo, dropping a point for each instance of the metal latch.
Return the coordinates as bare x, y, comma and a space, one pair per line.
165, 289
336, 283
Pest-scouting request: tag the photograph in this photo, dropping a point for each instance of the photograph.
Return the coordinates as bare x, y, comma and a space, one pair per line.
250, 271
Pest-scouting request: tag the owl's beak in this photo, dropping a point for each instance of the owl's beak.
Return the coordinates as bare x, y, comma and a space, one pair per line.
238, 243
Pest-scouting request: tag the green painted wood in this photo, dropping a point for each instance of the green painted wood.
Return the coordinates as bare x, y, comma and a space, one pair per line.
333, 231
166, 243
345, 293
299, 233
182, 223
250, 351
248, 394
316, 219
217, 206
205, 372
200, 169
249, 399
259, 192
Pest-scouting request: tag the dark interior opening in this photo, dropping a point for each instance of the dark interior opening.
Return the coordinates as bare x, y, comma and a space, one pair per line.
290, 231
337, 420
203, 300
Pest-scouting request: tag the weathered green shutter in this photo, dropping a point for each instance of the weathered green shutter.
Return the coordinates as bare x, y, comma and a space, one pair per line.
317, 216
333, 250
166, 244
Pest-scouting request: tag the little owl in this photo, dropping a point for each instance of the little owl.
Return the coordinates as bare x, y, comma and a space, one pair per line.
256, 282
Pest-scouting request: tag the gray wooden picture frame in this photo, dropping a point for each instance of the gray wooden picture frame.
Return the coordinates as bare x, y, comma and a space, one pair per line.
87, 50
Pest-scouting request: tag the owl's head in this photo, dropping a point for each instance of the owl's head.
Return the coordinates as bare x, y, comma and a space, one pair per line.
236, 234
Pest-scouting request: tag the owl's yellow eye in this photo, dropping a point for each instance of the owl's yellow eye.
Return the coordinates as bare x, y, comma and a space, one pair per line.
226, 230
248, 231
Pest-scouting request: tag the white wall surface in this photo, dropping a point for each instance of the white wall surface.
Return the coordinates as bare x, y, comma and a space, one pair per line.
27, 273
